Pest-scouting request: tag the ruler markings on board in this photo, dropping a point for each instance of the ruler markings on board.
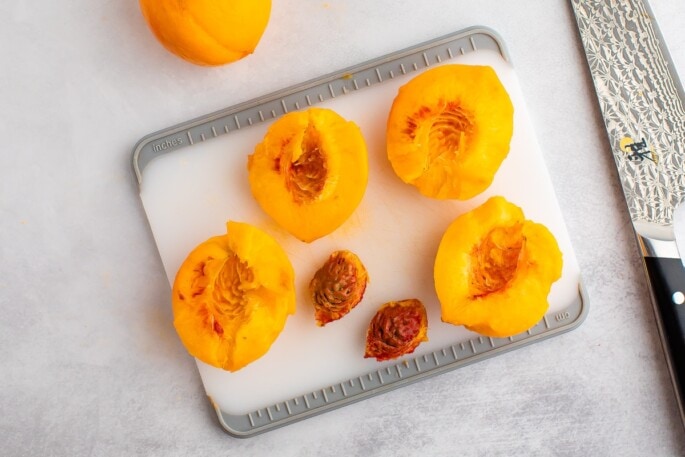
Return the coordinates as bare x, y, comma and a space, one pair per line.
405, 369
370, 76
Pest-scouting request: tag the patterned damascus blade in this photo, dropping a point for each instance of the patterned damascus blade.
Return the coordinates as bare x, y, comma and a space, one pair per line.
641, 100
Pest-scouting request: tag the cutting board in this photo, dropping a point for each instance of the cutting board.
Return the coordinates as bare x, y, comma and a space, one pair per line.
189, 192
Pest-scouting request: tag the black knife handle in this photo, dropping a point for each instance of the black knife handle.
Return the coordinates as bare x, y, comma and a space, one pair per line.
667, 278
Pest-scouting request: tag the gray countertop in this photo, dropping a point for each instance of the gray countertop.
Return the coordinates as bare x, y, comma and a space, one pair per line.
89, 361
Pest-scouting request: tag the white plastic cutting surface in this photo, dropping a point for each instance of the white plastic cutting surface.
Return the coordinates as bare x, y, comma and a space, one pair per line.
189, 195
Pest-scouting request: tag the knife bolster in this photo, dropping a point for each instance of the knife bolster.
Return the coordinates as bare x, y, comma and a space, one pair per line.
665, 249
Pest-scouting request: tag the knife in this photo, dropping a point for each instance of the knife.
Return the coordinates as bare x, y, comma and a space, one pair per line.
641, 99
